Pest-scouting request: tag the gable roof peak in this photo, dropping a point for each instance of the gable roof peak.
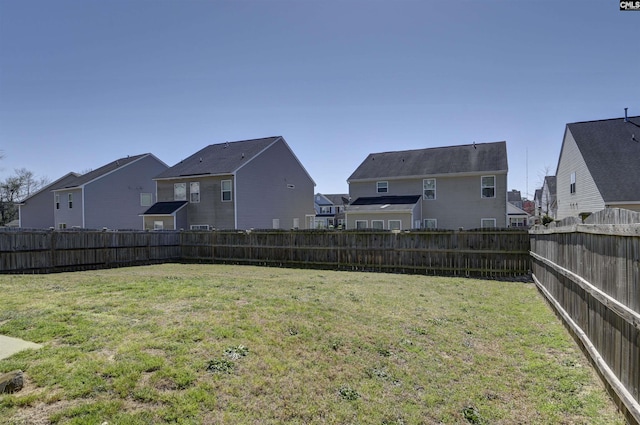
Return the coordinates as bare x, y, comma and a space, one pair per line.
220, 158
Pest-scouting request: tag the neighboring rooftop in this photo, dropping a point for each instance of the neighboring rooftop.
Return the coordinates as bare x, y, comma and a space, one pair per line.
475, 158
99, 172
219, 159
611, 150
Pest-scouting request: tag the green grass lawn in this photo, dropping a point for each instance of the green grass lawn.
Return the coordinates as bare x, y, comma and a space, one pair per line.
209, 344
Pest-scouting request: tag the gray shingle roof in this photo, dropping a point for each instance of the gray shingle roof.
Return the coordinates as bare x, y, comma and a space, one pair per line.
390, 200
514, 196
338, 198
58, 184
551, 184
480, 157
99, 172
611, 155
219, 159
165, 208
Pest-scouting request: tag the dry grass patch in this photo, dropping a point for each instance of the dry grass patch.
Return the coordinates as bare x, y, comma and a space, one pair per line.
243, 345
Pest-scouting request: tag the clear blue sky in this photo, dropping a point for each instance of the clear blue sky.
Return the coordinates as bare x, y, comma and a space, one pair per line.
85, 82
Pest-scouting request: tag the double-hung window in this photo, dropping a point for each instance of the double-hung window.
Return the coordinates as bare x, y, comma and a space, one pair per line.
572, 184
488, 186
430, 223
429, 188
382, 187
180, 192
194, 192
146, 199
70, 200
57, 201
225, 188
486, 223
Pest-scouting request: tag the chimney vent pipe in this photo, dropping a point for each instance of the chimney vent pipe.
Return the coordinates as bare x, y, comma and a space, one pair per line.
625, 115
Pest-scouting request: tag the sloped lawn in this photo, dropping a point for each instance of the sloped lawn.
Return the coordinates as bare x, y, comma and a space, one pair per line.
213, 344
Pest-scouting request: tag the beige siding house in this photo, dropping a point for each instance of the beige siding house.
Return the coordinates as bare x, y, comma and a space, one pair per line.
598, 167
256, 183
447, 188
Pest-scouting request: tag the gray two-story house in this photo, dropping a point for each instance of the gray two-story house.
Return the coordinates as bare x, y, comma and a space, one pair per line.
37, 210
598, 167
249, 184
112, 196
446, 187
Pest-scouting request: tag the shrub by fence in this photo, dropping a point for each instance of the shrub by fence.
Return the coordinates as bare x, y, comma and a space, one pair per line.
590, 274
484, 253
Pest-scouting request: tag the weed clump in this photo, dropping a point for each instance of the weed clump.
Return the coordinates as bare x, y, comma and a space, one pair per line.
348, 393
220, 366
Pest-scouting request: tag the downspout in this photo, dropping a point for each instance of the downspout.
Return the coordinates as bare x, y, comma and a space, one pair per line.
234, 200
82, 196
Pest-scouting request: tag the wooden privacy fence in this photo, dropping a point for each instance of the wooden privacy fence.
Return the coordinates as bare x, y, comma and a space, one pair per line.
53, 251
483, 253
486, 253
590, 274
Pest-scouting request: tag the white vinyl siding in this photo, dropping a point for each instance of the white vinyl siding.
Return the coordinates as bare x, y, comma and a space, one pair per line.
588, 198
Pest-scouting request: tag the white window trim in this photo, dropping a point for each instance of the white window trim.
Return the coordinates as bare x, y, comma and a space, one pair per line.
572, 183
192, 192
482, 187
70, 200
175, 195
390, 227
424, 189
222, 191
57, 201
482, 226
377, 221
199, 227
386, 187
142, 201
435, 220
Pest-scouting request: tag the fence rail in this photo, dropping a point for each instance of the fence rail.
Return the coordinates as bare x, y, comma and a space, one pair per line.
470, 253
54, 251
484, 253
590, 274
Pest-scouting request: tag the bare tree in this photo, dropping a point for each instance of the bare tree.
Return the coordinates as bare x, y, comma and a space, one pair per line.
16, 188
